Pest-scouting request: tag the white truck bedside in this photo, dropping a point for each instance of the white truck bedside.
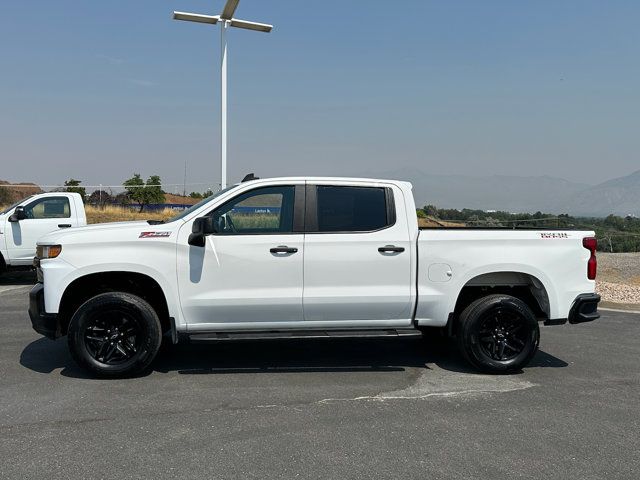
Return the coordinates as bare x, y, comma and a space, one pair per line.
306, 256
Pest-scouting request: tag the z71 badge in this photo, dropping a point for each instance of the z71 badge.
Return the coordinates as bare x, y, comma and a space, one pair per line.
154, 234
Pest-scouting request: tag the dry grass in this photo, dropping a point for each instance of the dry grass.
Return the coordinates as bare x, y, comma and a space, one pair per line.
248, 222
114, 213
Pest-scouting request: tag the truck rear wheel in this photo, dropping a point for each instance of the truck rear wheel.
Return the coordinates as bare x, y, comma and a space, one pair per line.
498, 334
114, 334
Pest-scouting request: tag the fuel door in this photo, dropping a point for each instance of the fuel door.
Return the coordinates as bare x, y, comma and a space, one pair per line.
440, 272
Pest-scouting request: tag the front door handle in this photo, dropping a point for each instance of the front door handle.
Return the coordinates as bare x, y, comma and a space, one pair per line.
64, 225
390, 249
283, 249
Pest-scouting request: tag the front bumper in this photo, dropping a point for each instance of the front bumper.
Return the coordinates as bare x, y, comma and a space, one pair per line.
44, 323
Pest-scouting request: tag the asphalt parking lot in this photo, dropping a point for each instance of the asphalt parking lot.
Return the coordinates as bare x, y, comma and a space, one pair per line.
338, 409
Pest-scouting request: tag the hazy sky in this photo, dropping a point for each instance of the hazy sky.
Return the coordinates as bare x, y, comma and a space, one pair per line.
99, 89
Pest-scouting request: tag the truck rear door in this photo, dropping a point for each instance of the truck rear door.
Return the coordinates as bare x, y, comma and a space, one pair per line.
357, 261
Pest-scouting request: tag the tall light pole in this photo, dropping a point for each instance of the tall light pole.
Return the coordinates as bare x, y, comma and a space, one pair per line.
226, 20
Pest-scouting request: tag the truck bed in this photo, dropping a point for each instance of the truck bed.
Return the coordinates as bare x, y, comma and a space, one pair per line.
450, 259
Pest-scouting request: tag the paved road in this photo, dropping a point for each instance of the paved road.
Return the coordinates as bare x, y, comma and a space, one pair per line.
340, 409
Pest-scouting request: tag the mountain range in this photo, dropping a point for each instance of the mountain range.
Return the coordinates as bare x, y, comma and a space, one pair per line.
620, 196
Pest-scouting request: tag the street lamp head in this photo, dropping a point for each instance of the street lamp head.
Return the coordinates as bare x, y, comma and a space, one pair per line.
196, 17
225, 16
259, 27
226, 20
229, 9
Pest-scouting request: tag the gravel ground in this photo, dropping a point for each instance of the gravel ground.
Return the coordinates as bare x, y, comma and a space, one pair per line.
618, 293
619, 277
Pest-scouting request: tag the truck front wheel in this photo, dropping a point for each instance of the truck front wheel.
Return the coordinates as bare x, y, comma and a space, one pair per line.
114, 334
498, 334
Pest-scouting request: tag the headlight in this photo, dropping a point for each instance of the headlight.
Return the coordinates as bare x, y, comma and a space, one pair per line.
48, 251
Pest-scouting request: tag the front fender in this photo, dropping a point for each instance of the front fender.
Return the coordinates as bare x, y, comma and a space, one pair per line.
58, 275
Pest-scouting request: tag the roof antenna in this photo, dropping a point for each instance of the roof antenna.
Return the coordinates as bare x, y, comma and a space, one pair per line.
249, 177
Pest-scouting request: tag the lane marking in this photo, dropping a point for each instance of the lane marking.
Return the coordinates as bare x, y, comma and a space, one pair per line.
9, 288
618, 310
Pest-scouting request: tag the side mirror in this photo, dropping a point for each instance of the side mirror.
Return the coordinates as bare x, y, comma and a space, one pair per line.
202, 226
18, 214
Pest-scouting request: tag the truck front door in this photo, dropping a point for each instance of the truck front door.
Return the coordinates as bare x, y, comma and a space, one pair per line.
250, 270
44, 215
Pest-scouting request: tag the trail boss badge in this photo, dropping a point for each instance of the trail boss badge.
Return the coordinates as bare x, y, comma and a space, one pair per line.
554, 235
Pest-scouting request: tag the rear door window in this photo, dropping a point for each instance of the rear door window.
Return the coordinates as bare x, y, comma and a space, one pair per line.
351, 209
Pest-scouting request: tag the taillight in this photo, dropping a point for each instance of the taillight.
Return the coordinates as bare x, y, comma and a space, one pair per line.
590, 243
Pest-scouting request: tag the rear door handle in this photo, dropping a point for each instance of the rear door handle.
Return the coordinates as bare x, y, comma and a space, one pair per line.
64, 225
390, 249
283, 249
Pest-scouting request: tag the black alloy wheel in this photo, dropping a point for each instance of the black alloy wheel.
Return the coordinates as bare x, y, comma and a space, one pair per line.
503, 334
498, 334
112, 337
114, 334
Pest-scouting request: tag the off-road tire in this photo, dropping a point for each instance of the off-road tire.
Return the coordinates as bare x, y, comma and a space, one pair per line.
498, 334
106, 322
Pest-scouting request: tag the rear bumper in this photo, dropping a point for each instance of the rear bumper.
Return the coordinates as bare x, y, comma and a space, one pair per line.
584, 309
44, 323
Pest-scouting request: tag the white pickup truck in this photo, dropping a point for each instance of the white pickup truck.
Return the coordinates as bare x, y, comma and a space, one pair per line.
24, 222
307, 257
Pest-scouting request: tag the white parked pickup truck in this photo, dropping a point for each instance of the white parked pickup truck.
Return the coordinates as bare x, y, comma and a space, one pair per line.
24, 222
307, 256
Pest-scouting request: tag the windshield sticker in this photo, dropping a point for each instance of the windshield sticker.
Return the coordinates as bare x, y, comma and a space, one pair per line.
154, 234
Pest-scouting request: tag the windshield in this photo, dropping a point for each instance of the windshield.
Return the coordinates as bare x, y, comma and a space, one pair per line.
192, 208
8, 209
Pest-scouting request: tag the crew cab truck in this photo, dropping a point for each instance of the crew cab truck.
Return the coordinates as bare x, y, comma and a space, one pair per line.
307, 256
24, 222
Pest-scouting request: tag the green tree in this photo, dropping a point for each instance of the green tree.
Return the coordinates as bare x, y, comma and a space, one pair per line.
430, 210
73, 186
144, 193
100, 197
134, 187
153, 189
195, 195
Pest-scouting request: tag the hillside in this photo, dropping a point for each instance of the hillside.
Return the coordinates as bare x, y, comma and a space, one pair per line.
496, 192
13, 194
620, 196
179, 199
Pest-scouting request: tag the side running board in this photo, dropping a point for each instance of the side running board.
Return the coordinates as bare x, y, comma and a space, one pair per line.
287, 334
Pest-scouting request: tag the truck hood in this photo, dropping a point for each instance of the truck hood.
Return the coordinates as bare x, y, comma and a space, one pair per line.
107, 232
